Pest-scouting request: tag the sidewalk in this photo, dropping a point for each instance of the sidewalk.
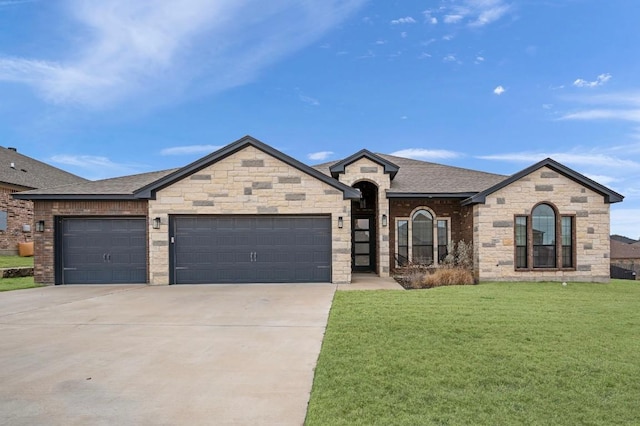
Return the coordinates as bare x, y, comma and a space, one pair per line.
370, 282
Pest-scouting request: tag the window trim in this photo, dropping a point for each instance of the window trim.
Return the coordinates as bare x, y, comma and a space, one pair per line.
558, 241
409, 220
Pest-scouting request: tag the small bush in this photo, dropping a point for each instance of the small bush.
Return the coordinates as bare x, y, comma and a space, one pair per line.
447, 276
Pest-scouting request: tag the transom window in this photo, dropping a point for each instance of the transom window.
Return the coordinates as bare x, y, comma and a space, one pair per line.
421, 239
544, 239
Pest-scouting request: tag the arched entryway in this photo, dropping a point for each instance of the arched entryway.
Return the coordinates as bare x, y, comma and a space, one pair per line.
363, 234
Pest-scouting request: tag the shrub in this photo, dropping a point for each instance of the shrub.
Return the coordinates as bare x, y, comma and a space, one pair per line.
447, 276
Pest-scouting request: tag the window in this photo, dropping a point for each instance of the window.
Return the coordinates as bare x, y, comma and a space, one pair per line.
544, 239
422, 237
443, 239
403, 242
521, 242
567, 241
3, 220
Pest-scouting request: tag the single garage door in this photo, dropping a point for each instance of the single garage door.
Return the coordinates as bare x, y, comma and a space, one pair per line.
250, 249
103, 251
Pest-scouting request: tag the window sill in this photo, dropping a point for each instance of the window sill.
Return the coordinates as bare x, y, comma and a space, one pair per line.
545, 269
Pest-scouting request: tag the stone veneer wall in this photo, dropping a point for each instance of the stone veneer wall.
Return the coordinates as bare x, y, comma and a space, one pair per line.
19, 213
494, 229
367, 170
44, 242
250, 182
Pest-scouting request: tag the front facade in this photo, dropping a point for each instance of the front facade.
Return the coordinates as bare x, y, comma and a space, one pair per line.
249, 213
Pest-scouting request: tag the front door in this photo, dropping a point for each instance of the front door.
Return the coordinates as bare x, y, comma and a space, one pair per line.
363, 253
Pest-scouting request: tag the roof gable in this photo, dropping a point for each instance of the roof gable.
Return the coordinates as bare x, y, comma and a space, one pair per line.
389, 167
609, 195
149, 191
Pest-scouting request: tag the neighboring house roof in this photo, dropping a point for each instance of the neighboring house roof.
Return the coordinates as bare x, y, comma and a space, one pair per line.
25, 172
624, 239
620, 250
144, 186
423, 179
609, 195
389, 167
106, 189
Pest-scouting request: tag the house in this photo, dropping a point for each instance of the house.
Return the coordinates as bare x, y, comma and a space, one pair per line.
625, 257
249, 213
19, 173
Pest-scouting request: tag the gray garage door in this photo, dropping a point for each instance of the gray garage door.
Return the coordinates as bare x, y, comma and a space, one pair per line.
103, 251
247, 249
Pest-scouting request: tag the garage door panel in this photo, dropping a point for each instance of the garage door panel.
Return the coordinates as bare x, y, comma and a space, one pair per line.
251, 249
103, 251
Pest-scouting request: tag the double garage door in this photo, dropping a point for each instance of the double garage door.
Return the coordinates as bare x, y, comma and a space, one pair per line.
203, 249
246, 249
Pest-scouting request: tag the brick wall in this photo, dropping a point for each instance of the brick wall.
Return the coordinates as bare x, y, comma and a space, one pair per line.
19, 213
494, 228
447, 208
44, 242
250, 182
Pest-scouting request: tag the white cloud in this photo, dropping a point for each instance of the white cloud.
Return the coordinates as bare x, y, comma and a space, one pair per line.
403, 34
96, 167
381, 42
320, 156
602, 179
499, 90
625, 221
426, 154
405, 20
428, 16
604, 114
595, 159
476, 13
190, 149
599, 81
479, 59
164, 50
309, 100
452, 19
450, 58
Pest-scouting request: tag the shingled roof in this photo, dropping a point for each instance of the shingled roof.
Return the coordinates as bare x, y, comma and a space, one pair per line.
25, 172
422, 178
105, 189
620, 250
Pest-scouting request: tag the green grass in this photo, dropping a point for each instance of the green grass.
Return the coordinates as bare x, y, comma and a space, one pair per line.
15, 261
492, 354
7, 284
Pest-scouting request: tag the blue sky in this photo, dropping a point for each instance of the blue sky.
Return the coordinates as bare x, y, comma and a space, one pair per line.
114, 87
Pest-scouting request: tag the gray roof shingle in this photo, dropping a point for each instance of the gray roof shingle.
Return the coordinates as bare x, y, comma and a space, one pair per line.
120, 187
20, 170
421, 177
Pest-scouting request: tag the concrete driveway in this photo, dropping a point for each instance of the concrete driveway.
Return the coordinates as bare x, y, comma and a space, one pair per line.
143, 355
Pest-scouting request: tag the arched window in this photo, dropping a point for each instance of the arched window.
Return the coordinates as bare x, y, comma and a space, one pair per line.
422, 237
543, 226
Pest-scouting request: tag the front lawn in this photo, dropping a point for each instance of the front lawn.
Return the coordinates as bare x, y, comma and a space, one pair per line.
491, 354
20, 283
15, 261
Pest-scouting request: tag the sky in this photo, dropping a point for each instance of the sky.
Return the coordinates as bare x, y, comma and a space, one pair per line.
116, 87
